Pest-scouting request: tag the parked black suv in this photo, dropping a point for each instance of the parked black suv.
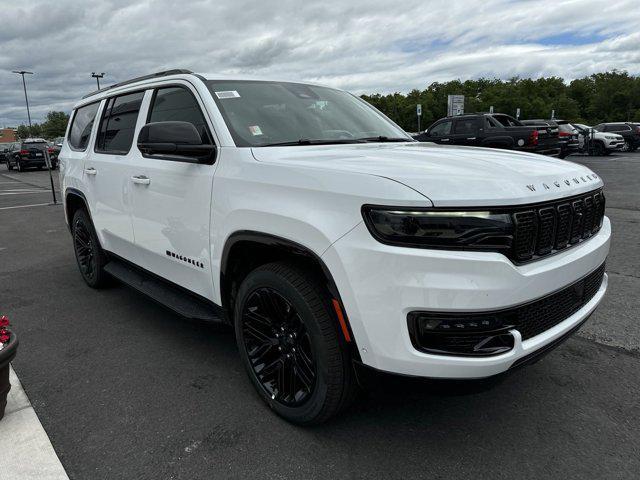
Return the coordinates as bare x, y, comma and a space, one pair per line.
629, 130
567, 134
5, 150
30, 153
495, 130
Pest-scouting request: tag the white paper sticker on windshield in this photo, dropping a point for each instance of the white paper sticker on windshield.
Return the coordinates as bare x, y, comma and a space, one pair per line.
228, 94
255, 130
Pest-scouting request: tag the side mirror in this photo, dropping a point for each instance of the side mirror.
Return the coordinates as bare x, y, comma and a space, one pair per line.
177, 141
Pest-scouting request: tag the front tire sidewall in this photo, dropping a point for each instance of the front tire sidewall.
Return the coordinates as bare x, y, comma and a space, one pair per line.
309, 410
98, 278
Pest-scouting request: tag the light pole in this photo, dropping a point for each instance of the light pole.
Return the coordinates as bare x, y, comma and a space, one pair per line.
97, 76
26, 99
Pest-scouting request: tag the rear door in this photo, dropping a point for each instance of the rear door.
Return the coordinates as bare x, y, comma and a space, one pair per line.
465, 131
107, 172
172, 198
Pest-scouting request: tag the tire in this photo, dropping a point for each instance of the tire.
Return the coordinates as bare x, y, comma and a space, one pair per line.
290, 345
626, 147
89, 254
598, 149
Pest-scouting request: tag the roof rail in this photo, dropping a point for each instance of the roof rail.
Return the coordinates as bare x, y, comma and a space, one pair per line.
175, 71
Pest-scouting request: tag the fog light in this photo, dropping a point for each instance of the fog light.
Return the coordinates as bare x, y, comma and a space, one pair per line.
460, 334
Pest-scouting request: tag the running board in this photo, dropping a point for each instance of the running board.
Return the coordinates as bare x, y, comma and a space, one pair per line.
172, 297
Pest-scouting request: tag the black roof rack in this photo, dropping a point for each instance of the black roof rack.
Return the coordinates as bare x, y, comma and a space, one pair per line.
175, 71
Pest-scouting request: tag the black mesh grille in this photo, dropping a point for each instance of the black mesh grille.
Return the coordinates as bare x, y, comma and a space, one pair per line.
530, 319
536, 317
552, 226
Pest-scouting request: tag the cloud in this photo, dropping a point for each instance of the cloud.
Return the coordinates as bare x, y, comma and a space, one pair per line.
363, 46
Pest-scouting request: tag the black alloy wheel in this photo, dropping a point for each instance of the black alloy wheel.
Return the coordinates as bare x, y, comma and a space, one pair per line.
279, 347
290, 344
89, 255
85, 249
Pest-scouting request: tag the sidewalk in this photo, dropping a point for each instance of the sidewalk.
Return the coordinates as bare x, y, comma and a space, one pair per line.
25, 448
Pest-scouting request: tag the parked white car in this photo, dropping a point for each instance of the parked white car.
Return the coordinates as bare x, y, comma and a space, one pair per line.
604, 143
326, 236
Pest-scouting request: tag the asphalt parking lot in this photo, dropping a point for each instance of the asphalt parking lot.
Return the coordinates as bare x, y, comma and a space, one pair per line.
127, 390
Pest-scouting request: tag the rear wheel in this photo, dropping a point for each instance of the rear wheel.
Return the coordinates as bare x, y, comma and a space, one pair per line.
89, 255
290, 345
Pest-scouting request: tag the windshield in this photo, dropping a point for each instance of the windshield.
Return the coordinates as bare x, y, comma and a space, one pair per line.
263, 113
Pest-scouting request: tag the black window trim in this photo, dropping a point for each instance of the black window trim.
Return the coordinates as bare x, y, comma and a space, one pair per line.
178, 85
75, 113
142, 90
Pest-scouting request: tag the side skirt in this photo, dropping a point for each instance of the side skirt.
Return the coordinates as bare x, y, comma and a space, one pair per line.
170, 295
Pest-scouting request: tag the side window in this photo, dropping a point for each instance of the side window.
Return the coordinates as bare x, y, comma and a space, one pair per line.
177, 104
491, 123
80, 130
118, 123
440, 129
465, 126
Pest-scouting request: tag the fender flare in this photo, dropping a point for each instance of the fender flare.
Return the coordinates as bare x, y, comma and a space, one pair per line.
290, 246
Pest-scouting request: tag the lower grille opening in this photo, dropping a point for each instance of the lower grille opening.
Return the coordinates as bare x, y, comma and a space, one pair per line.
486, 333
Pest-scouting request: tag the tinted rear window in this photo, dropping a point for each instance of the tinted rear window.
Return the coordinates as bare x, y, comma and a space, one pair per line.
81, 127
118, 123
464, 126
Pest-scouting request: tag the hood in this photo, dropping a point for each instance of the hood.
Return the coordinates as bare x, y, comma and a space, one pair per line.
447, 175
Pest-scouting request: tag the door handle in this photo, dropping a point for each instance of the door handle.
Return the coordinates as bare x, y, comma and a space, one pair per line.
90, 171
141, 179
471, 138
445, 139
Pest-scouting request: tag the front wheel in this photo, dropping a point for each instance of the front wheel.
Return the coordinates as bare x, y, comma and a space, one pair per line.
627, 146
598, 149
290, 346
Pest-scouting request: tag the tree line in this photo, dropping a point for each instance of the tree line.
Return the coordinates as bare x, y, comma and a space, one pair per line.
601, 97
54, 126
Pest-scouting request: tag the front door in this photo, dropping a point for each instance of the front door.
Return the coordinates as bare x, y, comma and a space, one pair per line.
171, 206
440, 132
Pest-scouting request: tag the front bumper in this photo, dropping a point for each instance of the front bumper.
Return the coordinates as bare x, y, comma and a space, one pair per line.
614, 144
380, 284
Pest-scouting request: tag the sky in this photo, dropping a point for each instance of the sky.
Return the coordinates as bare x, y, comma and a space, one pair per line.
362, 46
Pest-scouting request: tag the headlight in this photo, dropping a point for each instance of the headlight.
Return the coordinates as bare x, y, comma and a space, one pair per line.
446, 229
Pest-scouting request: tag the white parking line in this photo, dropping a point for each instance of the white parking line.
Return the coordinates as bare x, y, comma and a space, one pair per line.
23, 192
25, 206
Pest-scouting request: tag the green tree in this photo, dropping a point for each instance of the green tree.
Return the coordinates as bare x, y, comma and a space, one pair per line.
609, 96
55, 125
23, 131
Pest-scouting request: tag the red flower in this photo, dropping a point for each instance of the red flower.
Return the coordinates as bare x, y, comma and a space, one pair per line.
4, 321
4, 336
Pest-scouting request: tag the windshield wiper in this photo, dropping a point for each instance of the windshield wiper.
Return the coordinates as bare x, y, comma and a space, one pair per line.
382, 138
307, 141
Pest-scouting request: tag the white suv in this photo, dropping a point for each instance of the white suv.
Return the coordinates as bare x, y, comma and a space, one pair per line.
326, 236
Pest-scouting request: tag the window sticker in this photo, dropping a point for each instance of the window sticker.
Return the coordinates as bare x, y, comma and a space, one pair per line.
255, 130
228, 94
